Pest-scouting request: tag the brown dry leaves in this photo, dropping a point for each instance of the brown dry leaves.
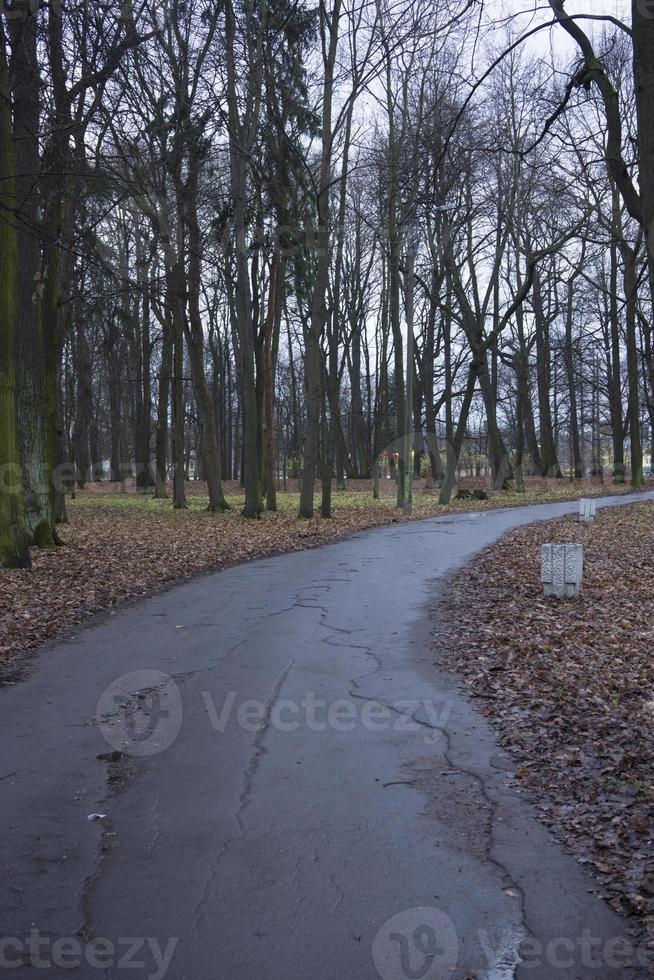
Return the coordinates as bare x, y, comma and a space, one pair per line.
570, 686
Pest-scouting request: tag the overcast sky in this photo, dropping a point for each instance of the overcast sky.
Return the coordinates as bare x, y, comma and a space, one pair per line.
619, 8
531, 12
523, 15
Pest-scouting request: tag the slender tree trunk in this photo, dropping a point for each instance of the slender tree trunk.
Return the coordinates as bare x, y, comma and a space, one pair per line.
575, 442
179, 491
82, 366
195, 344
615, 378
631, 300
144, 383
161, 437
269, 383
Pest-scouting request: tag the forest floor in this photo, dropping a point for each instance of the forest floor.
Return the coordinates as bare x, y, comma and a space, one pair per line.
118, 547
569, 686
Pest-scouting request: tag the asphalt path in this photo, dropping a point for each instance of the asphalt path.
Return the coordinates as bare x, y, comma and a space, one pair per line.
261, 775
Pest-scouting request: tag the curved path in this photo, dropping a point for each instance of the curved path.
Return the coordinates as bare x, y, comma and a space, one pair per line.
306, 799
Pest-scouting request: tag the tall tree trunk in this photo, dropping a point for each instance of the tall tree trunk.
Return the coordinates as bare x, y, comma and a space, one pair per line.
269, 384
643, 46
25, 85
144, 382
615, 377
61, 185
161, 437
82, 367
195, 344
499, 457
576, 461
313, 373
14, 552
179, 491
549, 463
242, 132
631, 300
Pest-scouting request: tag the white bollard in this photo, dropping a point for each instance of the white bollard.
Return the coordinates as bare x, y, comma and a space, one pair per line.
587, 510
562, 567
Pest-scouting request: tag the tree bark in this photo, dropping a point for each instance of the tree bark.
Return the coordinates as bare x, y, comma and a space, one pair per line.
271, 453
161, 435
315, 329
25, 84
14, 551
195, 343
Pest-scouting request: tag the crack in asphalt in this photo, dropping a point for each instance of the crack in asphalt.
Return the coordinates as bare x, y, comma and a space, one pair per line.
340, 893
247, 779
475, 778
491, 804
257, 742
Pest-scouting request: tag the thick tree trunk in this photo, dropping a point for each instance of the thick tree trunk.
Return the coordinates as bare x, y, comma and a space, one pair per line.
643, 46
242, 131
313, 368
14, 552
61, 195
454, 448
500, 462
25, 85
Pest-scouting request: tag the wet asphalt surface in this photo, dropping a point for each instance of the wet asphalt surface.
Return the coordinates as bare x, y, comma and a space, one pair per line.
286, 788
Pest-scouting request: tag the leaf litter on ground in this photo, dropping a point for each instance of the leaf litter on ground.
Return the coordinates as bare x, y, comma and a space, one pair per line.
569, 686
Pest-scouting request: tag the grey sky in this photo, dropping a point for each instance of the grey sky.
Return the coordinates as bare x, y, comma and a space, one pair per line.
529, 13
